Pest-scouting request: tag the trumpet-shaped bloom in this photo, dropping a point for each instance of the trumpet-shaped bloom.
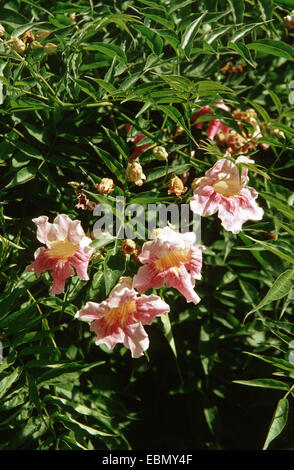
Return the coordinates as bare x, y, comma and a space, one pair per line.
170, 258
120, 318
221, 190
215, 125
67, 246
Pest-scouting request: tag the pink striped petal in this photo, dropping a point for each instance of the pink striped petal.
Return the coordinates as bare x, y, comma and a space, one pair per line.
136, 339
181, 280
148, 307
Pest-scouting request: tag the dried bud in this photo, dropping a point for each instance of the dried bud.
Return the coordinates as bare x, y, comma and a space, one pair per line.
18, 45
160, 153
176, 187
42, 34
50, 48
105, 186
128, 247
289, 20
134, 173
84, 203
2, 31
28, 37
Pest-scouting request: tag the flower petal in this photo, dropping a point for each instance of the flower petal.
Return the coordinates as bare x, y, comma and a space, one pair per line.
148, 276
205, 201
148, 307
136, 339
181, 280
61, 271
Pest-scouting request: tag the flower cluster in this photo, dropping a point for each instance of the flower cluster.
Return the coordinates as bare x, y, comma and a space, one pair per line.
169, 258
236, 143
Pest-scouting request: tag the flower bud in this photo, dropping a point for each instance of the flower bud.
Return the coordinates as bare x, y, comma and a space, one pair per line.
50, 48
105, 186
128, 247
134, 173
160, 153
176, 187
42, 34
36, 45
289, 20
18, 45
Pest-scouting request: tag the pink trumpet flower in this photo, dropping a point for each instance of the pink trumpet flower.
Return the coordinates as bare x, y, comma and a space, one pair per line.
221, 190
67, 246
215, 125
172, 259
120, 318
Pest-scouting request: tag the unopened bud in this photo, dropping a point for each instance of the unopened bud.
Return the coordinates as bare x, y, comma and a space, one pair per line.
72, 17
18, 45
134, 173
105, 186
176, 187
36, 45
50, 48
42, 34
160, 153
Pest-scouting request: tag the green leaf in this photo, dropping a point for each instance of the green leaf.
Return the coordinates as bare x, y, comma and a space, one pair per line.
274, 361
276, 48
22, 176
278, 422
264, 383
191, 32
153, 40
266, 8
104, 239
110, 50
168, 333
238, 8
273, 249
280, 288
159, 172
282, 206
8, 381
118, 143
114, 267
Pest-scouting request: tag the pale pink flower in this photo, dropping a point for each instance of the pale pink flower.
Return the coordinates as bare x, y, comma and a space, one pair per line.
67, 246
222, 190
215, 125
172, 259
120, 318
